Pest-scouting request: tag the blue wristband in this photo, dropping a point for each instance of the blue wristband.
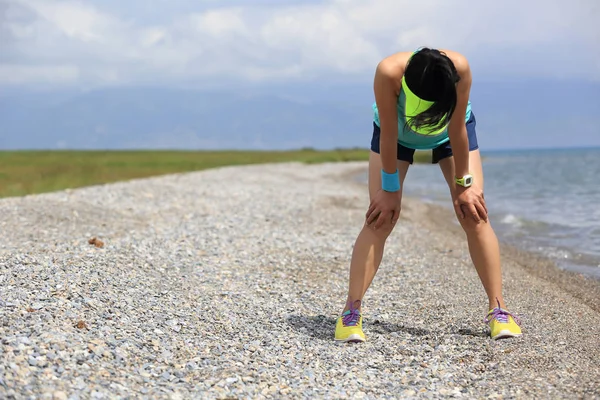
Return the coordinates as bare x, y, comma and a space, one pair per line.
390, 182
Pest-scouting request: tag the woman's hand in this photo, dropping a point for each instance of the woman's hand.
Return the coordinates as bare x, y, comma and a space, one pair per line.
385, 206
470, 202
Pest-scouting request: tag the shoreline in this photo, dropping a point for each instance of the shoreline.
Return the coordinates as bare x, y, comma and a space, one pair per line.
432, 216
213, 290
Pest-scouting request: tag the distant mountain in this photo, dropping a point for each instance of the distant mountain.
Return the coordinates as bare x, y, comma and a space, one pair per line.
512, 114
159, 118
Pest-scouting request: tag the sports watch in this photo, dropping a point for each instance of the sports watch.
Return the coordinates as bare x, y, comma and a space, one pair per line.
465, 181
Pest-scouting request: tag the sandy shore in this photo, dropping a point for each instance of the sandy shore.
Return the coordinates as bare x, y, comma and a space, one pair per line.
226, 284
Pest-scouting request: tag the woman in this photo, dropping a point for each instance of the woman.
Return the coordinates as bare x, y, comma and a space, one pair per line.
422, 102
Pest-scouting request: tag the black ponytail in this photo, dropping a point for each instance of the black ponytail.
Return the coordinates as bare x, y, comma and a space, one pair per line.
432, 76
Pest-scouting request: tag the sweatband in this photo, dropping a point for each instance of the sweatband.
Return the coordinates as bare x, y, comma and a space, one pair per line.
390, 182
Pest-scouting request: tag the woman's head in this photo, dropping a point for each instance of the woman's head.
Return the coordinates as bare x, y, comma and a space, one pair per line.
431, 78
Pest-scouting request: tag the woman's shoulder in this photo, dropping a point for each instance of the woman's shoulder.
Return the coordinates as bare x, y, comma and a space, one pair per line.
458, 59
389, 72
394, 62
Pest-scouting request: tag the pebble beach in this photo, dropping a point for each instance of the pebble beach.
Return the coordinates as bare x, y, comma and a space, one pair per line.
226, 284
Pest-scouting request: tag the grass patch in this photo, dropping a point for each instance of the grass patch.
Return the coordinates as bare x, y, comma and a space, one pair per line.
30, 172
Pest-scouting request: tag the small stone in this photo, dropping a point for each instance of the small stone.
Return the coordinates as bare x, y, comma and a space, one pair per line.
96, 242
25, 340
81, 325
59, 395
191, 366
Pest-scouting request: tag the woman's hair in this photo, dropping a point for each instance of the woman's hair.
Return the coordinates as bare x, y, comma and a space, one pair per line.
432, 76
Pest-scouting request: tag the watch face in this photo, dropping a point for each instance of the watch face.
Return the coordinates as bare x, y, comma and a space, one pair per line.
468, 181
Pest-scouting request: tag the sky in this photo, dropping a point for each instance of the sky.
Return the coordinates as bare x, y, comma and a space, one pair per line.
58, 45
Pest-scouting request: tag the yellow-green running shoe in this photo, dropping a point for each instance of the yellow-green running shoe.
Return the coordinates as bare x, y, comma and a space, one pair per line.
502, 323
348, 327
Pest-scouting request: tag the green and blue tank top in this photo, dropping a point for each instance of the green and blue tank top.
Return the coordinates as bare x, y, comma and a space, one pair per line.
407, 136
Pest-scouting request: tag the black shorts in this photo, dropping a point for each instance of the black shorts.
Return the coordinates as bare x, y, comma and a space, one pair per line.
437, 153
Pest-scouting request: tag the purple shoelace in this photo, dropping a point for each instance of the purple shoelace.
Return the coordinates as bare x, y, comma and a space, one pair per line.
501, 315
351, 316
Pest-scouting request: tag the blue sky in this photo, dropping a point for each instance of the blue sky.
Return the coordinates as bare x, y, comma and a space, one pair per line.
59, 45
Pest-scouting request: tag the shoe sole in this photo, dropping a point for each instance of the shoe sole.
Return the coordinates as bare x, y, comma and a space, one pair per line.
505, 335
351, 339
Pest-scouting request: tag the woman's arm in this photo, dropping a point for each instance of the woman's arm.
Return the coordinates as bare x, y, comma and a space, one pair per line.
385, 205
387, 87
457, 129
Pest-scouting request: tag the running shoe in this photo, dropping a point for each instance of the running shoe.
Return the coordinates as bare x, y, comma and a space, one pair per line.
348, 327
502, 323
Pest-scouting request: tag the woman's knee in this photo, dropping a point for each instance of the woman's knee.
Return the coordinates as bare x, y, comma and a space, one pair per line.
383, 231
470, 226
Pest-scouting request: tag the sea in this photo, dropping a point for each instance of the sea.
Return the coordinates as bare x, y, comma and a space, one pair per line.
542, 201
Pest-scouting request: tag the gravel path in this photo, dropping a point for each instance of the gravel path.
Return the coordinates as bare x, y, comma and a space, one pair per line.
226, 284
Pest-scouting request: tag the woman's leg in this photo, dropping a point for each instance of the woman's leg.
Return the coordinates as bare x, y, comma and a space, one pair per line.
368, 248
482, 241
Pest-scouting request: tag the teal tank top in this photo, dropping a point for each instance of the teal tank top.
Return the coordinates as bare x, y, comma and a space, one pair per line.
407, 137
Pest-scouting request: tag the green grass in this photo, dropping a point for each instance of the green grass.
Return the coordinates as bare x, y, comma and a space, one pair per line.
30, 172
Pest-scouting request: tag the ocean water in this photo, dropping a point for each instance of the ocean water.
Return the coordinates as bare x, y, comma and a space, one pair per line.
544, 201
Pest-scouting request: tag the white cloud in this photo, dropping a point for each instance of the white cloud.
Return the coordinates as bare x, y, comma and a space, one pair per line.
75, 20
221, 24
88, 43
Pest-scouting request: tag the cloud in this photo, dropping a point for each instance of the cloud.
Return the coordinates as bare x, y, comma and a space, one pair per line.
98, 43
